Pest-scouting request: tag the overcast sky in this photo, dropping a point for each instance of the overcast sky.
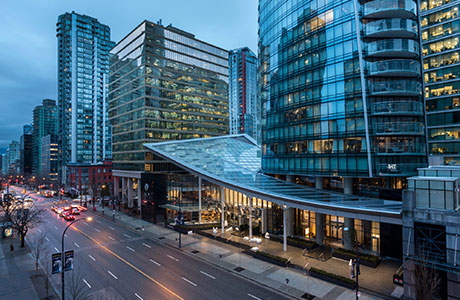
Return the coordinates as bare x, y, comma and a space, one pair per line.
28, 45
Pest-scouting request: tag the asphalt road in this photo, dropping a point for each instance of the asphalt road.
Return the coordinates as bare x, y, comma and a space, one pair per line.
110, 257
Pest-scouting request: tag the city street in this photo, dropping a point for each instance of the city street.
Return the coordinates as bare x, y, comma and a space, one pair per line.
111, 258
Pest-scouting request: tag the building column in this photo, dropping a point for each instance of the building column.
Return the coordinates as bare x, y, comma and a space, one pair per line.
348, 185
130, 192
250, 218
222, 212
348, 235
123, 189
139, 193
264, 217
319, 182
199, 200
284, 229
319, 220
290, 221
116, 186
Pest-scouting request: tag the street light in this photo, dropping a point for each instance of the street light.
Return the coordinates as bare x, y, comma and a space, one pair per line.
89, 219
357, 259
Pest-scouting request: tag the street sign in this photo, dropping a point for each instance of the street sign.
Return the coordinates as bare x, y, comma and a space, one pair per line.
68, 260
56, 263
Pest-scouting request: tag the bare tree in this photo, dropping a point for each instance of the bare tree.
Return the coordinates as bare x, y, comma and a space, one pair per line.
47, 271
427, 280
25, 218
38, 248
7, 206
77, 288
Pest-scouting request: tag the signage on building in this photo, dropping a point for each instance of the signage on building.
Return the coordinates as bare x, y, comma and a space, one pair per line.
68, 260
56, 260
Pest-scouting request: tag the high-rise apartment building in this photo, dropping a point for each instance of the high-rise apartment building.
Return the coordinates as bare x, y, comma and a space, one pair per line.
440, 30
49, 158
45, 118
341, 92
13, 157
243, 105
83, 65
164, 84
27, 142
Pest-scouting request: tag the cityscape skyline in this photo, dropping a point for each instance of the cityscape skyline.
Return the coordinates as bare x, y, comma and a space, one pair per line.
24, 27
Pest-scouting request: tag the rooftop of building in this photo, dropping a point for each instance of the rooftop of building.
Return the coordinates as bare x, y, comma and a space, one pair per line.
234, 162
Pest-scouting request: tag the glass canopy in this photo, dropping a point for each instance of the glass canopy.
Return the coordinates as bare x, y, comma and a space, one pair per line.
234, 161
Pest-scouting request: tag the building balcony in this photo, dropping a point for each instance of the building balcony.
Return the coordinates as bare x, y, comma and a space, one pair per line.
397, 48
399, 128
391, 28
394, 67
395, 87
397, 108
400, 149
379, 9
398, 169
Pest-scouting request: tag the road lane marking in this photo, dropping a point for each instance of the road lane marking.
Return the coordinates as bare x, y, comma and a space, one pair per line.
84, 280
39, 231
206, 274
76, 245
112, 228
148, 246
85, 223
65, 234
47, 239
172, 257
112, 275
56, 227
99, 222
185, 279
92, 257
97, 230
130, 264
57, 250
252, 296
111, 238
131, 249
135, 294
126, 235
158, 264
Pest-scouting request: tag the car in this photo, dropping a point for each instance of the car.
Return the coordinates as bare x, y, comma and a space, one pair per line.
48, 195
75, 211
54, 208
68, 216
59, 210
79, 207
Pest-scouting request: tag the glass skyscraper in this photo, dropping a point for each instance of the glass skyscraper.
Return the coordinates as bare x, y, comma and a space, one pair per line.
45, 122
440, 27
164, 85
83, 66
244, 107
340, 84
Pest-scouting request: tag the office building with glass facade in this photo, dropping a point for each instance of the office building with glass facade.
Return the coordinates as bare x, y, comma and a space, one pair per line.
341, 92
164, 84
440, 32
244, 107
26, 141
83, 65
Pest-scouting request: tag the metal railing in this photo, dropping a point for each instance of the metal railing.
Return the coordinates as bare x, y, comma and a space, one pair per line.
397, 107
393, 45
394, 65
377, 6
398, 128
395, 24
395, 86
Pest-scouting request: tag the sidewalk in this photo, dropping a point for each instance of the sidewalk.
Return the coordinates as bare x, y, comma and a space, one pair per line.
18, 278
286, 280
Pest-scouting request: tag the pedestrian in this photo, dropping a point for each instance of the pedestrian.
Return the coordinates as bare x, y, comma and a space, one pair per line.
11, 249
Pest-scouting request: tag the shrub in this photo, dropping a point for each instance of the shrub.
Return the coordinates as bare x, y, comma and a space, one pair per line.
271, 256
346, 280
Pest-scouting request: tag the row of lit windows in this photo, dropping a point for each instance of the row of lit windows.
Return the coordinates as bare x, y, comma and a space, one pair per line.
441, 60
441, 46
442, 75
441, 30
440, 16
348, 145
452, 133
349, 164
430, 4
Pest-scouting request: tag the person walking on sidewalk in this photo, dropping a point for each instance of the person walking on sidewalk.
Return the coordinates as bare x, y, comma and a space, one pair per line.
11, 249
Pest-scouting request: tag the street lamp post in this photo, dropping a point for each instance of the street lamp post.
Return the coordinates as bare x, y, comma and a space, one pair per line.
357, 259
62, 253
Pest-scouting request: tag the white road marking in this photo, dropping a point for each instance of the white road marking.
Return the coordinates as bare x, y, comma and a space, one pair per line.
84, 280
92, 257
131, 249
57, 250
172, 257
158, 264
126, 235
56, 227
111, 238
86, 223
148, 246
97, 230
47, 239
39, 231
135, 294
65, 234
99, 222
185, 279
112, 275
206, 274
252, 296
76, 245
111, 228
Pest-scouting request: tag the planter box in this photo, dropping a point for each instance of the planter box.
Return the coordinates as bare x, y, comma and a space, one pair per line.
265, 258
296, 243
332, 279
364, 261
220, 239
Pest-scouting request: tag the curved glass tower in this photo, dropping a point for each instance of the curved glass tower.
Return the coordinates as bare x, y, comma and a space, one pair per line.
340, 88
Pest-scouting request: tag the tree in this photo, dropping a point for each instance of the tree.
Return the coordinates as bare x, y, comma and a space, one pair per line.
7, 206
47, 272
38, 248
25, 218
78, 290
427, 280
